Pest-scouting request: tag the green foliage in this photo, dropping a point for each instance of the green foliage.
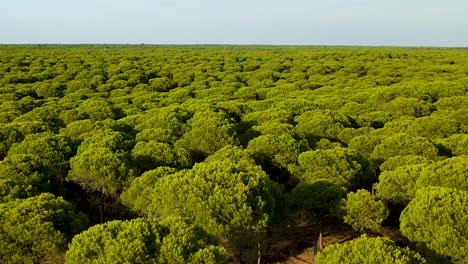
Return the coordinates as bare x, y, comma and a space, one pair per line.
53, 150
171, 118
452, 172
48, 113
434, 127
363, 212
364, 144
47, 90
160, 84
210, 131
273, 151
456, 144
272, 128
96, 109
321, 123
340, 165
347, 134
400, 125
30, 127
8, 137
37, 228
102, 163
317, 198
376, 119
453, 102
232, 153
100, 169
173, 240
436, 220
23, 176
399, 161
79, 129
261, 117
226, 197
356, 109
403, 144
409, 106
152, 154
138, 195
327, 144
104, 138
157, 134
368, 250
399, 185
313, 117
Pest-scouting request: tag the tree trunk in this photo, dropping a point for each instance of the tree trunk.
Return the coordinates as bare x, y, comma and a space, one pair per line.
374, 176
259, 253
101, 206
320, 233
375, 171
315, 242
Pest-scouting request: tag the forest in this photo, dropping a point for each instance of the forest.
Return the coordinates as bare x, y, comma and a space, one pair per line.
231, 154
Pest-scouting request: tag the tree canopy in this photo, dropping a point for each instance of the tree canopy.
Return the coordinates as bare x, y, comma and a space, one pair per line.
436, 220
223, 196
368, 250
343, 166
174, 240
23, 176
36, 228
363, 212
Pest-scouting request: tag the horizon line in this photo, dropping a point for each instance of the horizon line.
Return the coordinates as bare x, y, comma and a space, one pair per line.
231, 44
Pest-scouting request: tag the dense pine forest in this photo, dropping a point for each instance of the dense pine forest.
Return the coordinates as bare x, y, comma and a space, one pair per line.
230, 154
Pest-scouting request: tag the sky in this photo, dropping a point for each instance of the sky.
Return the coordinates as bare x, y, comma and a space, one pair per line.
276, 22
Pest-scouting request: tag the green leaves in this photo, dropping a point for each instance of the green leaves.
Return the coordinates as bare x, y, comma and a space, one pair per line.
55, 150
315, 123
275, 153
408, 106
102, 163
8, 137
434, 127
100, 169
97, 109
404, 175
339, 165
321, 123
403, 144
364, 212
399, 185
152, 154
452, 172
23, 176
210, 131
174, 240
368, 250
404, 160
227, 197
436, 219
35, 228
317, 198
139, 194
456, 144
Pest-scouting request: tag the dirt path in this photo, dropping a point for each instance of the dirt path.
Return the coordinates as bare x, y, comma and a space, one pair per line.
298, 245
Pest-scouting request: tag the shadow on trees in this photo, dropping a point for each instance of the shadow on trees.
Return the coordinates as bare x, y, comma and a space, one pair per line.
89, 202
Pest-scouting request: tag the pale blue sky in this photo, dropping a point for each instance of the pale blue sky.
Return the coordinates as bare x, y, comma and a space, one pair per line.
292, 22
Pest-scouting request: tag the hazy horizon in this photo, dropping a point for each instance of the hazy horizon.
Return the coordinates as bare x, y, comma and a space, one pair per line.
412, 23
